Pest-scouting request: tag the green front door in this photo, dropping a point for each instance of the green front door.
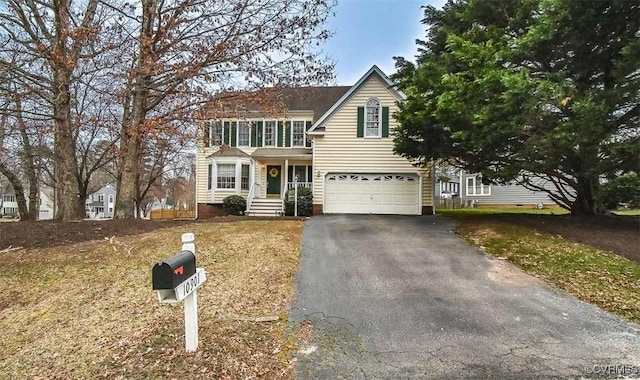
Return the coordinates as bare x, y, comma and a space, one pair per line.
273, 179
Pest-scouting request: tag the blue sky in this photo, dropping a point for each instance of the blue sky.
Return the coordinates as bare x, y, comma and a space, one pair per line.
368, 32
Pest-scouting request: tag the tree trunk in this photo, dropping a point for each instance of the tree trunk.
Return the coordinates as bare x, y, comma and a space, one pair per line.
127, 186
62, 63
587, 201
18, 189
29, 165
65, 148
132, 125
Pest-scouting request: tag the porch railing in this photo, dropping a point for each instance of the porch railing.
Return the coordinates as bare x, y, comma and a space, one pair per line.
250, 196
308, 185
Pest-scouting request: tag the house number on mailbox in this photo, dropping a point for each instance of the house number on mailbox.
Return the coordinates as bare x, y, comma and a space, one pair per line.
177, 279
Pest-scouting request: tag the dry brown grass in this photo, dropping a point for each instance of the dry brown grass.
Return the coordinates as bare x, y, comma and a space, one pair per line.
592, 275
87, 310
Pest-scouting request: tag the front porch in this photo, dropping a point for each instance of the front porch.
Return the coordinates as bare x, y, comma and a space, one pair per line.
276, 172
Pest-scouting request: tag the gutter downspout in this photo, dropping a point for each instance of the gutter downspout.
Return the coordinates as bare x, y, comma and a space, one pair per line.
433, 186
196, 188
460, 185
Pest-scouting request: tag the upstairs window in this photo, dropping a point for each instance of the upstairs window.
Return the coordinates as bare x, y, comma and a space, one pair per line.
372, 118
297, 133
217, 133
270, 133
244, 133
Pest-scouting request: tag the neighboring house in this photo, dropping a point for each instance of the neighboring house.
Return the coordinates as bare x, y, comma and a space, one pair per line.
100, 204
470, 191
46, 208
337, 141
9, 204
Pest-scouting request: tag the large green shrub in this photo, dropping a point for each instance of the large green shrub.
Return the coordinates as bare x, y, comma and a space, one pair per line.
234, 205
305, 202
624, 190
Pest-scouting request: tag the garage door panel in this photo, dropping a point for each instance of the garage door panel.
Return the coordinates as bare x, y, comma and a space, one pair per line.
372, 193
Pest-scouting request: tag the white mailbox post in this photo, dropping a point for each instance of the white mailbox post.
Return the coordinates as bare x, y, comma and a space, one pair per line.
177, 279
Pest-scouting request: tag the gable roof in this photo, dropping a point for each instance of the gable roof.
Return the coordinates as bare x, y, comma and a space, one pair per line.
318, 126
107, 186
275, 100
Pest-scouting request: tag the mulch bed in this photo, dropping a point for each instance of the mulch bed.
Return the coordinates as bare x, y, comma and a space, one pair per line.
615, 233
50, 233
618, 234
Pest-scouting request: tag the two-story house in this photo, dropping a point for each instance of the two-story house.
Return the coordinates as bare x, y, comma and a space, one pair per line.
100, 204
335, 140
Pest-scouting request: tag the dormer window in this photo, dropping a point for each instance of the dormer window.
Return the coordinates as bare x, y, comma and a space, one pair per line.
373, 115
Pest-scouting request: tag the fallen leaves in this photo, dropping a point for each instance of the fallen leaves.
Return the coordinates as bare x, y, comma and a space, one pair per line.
87, 310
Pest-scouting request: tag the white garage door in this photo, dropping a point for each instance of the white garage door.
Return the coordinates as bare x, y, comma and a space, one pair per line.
372, 194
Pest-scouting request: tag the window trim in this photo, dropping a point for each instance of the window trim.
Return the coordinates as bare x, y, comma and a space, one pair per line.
473, 180
275, 133
379, 134
218, 176
307, 178
304, 134
238, 132
248, 177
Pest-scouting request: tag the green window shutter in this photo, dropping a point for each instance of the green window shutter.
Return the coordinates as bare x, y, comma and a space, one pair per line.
280, 133
226, 133
360, 122
259, 134
307, 127
254, 134
385, 121
287, 134
234, 129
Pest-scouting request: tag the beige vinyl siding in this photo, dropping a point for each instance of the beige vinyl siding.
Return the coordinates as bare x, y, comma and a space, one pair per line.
202, 163
341, 151
203, 195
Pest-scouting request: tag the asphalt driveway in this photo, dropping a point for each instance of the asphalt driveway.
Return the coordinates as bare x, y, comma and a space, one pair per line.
404, 297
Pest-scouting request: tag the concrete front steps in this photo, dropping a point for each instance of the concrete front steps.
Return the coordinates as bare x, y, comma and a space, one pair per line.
266, 207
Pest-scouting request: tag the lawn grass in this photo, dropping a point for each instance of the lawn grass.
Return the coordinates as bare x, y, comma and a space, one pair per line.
604, 279
627, 212
87, 310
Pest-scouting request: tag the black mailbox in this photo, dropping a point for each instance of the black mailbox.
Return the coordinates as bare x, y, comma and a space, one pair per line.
173, 271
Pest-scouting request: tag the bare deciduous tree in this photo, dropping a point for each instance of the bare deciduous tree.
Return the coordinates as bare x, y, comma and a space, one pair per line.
188, 49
